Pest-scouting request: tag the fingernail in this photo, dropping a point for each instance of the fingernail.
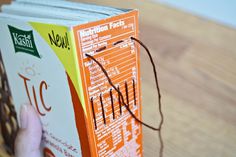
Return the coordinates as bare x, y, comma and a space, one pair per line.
23, 117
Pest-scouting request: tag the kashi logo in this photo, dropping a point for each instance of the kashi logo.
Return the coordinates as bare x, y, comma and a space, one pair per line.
23, 41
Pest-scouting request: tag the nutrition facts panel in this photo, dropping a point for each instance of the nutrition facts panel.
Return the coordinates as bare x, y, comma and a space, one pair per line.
116, 131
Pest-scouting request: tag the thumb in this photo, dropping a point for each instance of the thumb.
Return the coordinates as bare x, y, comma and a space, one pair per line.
28, 139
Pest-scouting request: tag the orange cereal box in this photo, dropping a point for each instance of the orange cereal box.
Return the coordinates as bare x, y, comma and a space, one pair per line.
47, 65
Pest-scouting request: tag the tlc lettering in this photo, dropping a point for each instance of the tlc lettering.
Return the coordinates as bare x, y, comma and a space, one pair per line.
31, 89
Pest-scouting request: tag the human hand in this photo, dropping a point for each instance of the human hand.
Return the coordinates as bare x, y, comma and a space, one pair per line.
28, 139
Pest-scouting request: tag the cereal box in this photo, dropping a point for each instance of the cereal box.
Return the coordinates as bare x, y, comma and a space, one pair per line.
45, 64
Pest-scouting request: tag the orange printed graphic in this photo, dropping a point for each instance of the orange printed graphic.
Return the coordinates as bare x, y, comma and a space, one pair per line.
48, 153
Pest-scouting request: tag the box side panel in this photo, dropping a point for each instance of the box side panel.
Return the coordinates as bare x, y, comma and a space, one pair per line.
112, 130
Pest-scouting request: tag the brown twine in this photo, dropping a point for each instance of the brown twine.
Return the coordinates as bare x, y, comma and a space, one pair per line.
94, 117
159, 95
159, 128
